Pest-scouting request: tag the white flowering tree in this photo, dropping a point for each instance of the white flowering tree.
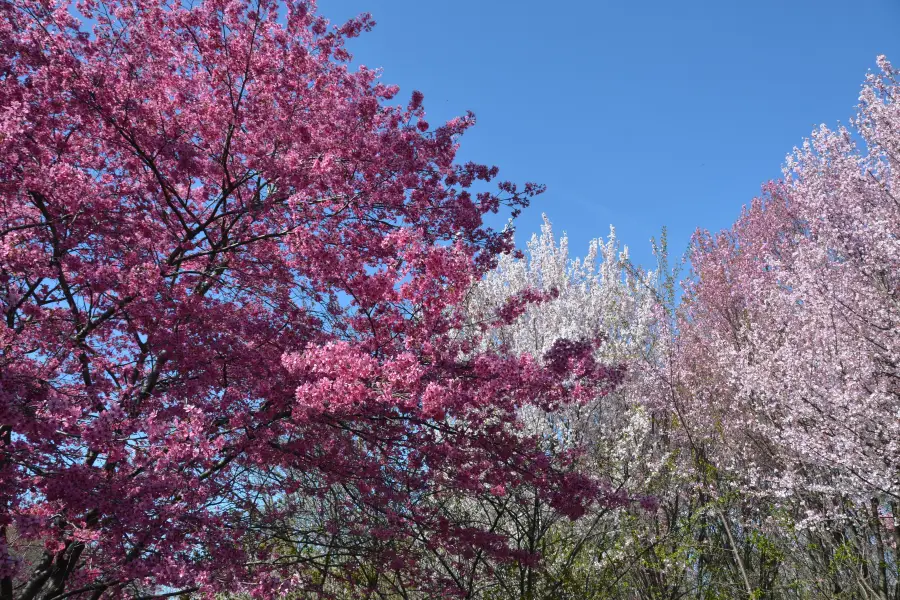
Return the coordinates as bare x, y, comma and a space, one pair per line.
603, 299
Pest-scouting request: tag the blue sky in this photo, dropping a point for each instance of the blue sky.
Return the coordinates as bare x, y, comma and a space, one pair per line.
636, 114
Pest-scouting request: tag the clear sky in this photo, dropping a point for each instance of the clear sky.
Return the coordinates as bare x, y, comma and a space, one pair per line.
633, 113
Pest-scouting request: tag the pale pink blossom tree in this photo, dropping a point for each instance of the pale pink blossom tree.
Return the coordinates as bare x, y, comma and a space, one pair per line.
798, 309
785, 374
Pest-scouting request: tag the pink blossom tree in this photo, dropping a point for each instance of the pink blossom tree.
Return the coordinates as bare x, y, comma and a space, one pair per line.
230, 275
786, 366
798, 305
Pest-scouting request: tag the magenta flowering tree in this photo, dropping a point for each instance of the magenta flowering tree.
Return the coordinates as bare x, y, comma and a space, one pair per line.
229, 277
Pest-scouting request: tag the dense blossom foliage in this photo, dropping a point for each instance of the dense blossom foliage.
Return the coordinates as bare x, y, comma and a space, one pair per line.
795, 314
230, 274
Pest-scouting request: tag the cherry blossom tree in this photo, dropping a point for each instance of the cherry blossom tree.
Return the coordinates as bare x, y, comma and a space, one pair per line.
798, 306
786, 371
231, 276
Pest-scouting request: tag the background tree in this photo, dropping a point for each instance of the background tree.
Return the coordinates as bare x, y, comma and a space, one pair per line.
786, 372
